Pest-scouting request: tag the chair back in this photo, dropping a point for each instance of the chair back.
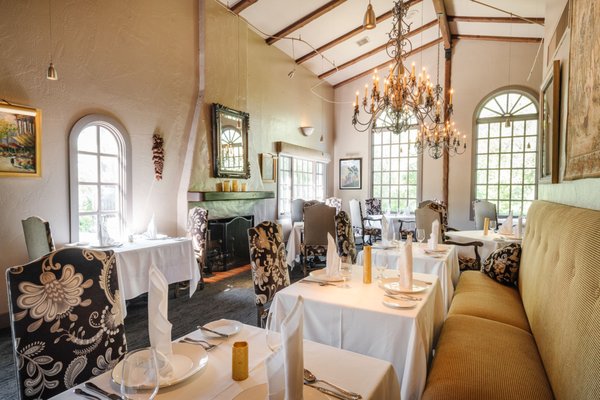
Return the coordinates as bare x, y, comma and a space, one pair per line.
373, 206
198, 228
334, 202
319, 220
484, 209
297, 210
66, 319
356, 218
267, 261
345, 238
424, 217
38, 237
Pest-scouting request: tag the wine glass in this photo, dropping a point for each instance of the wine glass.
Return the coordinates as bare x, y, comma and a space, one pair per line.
346, 272
273, 338
139, 375
420, 235
380, 270
493, 226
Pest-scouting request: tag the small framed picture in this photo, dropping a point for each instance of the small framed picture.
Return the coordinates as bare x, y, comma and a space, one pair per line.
20, 146
548, 147
268, 167
350, 173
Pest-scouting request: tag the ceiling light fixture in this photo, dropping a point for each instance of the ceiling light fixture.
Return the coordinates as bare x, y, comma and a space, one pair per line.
369, 21
51, 73
293, 71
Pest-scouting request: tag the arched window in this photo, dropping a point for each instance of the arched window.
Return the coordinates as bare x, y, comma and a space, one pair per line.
100, 172
505, 147
395, 166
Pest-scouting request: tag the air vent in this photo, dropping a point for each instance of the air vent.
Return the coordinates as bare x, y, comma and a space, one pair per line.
363, 41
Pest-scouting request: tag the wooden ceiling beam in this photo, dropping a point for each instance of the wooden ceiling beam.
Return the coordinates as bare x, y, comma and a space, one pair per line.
305, 20
498, 20
386, 64
242, 5
497, 38
440, 10
375, 51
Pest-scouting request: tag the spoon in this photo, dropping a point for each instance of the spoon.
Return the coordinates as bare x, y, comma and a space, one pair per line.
309, 377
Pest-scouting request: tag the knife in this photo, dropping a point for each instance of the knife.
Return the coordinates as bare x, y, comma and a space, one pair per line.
332, 393
211, 331
97, 389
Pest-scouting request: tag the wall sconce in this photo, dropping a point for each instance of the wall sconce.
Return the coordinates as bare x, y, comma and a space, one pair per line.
307, 130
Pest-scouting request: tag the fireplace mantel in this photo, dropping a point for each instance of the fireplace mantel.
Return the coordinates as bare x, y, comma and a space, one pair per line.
224, 196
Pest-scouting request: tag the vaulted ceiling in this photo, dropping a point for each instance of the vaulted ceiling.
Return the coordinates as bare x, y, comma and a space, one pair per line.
334, 28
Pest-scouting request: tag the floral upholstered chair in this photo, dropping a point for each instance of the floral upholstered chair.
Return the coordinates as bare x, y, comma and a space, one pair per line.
373, 206
66, 319
198, 227
345, 238
269, 268
335, 202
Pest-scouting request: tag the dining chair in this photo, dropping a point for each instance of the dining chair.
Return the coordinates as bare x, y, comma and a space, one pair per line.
66, 319
297, 211
484, 209
373, 206
334, 202
319, 220
38, 237
198, 230
358, 223
267, 261
345, 238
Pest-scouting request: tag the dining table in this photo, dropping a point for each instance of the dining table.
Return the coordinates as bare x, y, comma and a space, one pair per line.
368, 376
491, 242
356, 319
442, 263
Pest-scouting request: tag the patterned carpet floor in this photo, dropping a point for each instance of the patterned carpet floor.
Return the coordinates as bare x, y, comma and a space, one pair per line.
228, 295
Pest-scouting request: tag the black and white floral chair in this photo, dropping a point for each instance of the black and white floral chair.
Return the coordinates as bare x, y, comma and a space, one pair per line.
373, 206
345, 238
269, 268
198, 228
66, 319
335, 202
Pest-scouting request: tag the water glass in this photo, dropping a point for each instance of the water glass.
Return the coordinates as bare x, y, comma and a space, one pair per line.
346, 272
273, 338
380, 270
492, 226
420, 235
140, 374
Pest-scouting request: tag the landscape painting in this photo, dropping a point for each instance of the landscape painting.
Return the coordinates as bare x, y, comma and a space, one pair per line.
19, 141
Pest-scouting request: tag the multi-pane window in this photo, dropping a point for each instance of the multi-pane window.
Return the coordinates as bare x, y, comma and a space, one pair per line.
299, 179
506, 151
395, 169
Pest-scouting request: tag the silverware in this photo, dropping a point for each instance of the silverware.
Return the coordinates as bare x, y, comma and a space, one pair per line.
319, 282
97, 389
401, 296
206, 345
86, 394
310, 379
214, 332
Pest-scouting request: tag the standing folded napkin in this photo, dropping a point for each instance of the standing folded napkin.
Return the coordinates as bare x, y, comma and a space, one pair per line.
507, 226
520, 226
405, 266
292, 354
105, 239
385, 228
159, 327
151, 230
332, 262
434, 238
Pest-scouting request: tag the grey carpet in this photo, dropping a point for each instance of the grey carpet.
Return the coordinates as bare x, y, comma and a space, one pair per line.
231, 298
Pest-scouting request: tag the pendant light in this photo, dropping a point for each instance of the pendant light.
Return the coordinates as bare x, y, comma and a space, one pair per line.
370, 21
51, 73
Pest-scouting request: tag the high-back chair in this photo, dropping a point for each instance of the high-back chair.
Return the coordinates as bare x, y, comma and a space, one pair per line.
335, 202
66, 319
484, 209
373, 206
424, 217
345, 238
269, 269
198, 229
297, 210
38, 237
319, 220
358, 223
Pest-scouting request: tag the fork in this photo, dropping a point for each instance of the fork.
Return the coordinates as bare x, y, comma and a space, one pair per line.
206, 345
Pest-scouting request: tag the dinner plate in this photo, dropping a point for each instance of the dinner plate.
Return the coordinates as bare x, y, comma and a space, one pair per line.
383, 246
107, 246
77, 244
398, 303
321, 275
187, 360
225, 326
260, 392
394, 286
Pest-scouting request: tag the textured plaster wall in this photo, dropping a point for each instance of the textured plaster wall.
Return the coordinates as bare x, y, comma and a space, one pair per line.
133, 60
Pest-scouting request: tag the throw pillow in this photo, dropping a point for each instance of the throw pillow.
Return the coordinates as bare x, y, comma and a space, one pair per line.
503, 264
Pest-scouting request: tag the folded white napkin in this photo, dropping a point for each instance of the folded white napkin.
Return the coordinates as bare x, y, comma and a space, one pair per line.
405, 266
434, 238
151, 230
520, 226
385, 228
159, 327
507, 226
332, 262
105, 239
290, 378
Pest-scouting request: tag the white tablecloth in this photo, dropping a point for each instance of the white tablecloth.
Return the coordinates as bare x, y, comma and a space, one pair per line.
491, 242
294, 241
446, 267
372, 378
355, 319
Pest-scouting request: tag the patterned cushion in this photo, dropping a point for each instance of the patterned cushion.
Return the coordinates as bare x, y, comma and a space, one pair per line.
198, 227
267, 259
503, 264
67, 322
468, 263
372, 231
334, 202
314, 250
373, 206
345, 237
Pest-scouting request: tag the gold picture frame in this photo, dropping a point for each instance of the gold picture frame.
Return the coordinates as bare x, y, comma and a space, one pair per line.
268, 167
548, 150
20, 141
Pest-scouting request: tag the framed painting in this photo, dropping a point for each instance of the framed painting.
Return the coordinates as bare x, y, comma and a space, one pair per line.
268, 167
20, 146
583, 118
549, 134
350, 173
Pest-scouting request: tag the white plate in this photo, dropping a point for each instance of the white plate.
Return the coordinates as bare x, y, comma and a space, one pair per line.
394, 286
321, 275
398, 303
108, 246
188, 359
259, 392
77, 244
226, 326
383, 246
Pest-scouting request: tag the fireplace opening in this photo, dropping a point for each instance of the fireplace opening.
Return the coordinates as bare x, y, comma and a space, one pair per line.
228, 243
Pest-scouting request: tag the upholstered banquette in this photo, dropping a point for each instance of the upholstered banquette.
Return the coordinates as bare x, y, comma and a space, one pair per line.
540, 340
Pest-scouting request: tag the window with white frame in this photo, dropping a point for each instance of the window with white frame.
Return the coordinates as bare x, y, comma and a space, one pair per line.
299, 178
100, 178
505, 149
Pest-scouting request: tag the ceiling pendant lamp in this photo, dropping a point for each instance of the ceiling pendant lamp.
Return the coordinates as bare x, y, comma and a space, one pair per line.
370, 21
51, 73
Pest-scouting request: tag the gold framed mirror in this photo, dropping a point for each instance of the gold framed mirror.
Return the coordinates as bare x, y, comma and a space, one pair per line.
230, 142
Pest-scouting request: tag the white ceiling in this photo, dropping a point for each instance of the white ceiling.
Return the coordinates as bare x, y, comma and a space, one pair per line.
271, 16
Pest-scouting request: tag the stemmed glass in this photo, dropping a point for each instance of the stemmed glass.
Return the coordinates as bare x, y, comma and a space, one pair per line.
380, 270
420, 235
140, 374
493, 226
273, 338
346, 272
